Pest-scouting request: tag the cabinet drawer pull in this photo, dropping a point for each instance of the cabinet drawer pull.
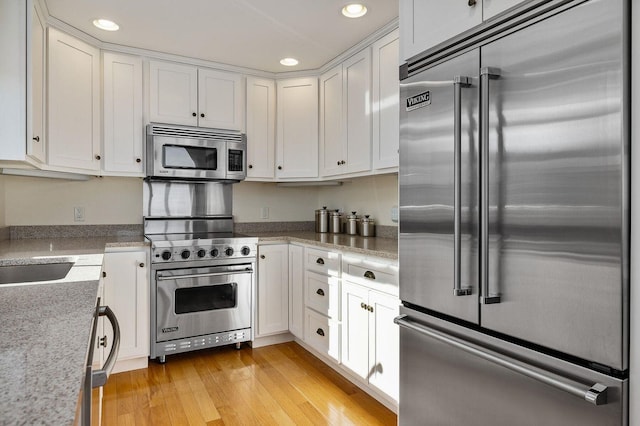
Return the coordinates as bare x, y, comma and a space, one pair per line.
471, 3
370, 275
320, 332
320, 261
320, 292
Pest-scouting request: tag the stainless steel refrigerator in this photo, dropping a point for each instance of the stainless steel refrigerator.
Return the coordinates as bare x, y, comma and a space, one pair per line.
514, 221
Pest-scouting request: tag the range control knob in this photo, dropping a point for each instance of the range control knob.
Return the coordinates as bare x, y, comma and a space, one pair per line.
245, 251
202, 253
228, 251
214, 252
166, 255
185, 254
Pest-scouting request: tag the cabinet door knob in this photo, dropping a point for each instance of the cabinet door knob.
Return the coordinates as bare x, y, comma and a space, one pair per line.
138, 160
142, 265
370, 308
320, 331
363, 306
471, 3
343, 162
251, 166
370, 275
98, 157
36, 138
104, 274
202, 115
194, 114
320, 292
338, 163
262, 256
279, 167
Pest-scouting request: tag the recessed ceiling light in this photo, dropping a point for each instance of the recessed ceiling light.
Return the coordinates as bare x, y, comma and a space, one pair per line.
289, 62
354, 10
105, 24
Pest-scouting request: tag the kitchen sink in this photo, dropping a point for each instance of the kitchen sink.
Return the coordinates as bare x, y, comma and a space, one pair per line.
11, 274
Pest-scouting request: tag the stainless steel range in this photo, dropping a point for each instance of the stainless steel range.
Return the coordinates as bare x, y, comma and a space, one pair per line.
202, 274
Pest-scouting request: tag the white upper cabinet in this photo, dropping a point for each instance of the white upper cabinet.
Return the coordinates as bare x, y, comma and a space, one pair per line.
184, 94
345, 116
73, 103
297, 128
122, 116
220, 100
261, 123
36, 143
331, 134
173, 93
491, 8
386, 98
424, 24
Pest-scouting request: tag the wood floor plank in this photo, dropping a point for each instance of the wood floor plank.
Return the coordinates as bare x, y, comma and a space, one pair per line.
274, 385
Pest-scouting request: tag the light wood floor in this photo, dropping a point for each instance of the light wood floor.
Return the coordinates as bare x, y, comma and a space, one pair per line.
274, 385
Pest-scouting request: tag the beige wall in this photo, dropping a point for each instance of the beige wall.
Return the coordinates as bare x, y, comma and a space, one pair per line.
372, 195
38, 201
2, 203
111, 200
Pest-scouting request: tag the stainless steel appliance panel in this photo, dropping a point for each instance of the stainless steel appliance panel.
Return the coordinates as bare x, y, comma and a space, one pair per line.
441, 384
220, 300
438, 126
557, 180
175, 198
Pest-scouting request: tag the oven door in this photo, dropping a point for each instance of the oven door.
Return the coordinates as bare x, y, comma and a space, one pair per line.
197, 301
180, 157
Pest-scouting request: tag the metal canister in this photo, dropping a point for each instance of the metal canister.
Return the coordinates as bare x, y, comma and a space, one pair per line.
351, 226
335, 222
367, 227
322, 220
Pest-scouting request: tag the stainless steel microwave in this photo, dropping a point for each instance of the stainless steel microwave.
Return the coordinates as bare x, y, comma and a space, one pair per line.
182, 152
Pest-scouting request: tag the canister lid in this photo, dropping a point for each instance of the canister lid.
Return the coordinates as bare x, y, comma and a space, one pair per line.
323, 210
352, 215
334, 213
366, 219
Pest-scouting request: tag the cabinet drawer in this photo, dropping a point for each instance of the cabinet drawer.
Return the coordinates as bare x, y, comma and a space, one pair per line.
322, 334
375, 275
322, 261
323, 294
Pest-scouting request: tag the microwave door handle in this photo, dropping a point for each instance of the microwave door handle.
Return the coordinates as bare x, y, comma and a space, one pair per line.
458, 83
211, 274
486, 74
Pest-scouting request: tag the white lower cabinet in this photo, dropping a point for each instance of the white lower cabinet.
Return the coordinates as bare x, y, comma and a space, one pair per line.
322, 334
126, 292
370, 338
296, 291
273, 290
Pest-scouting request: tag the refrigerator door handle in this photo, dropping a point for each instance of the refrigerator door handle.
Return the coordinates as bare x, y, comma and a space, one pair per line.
486, 74
458, 83
595, 394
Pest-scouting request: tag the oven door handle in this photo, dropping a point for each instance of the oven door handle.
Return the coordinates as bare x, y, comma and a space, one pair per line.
211, 274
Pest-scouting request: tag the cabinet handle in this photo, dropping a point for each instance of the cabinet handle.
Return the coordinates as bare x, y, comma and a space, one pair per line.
202, 115
320, 261
36, 138
138, 160
471, 3
104, 274
262, 256
320, 331
251, 166
194, 114
142, 265
320, 292
279, 167
370, 275
98, 157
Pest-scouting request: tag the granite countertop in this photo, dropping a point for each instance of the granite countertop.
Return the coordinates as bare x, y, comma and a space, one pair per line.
372, 246
46, 328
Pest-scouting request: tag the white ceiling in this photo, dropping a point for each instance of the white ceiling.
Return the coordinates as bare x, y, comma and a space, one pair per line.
248, 33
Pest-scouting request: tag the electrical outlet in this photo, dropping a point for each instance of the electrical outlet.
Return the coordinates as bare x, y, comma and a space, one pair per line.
264, 212
394, 214
78, 214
